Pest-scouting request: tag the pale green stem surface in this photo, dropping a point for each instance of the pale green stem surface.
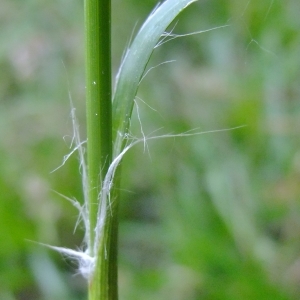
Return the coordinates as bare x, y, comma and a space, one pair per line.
102, 284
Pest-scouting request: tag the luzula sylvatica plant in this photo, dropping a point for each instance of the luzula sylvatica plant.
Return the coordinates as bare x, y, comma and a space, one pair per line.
108, 121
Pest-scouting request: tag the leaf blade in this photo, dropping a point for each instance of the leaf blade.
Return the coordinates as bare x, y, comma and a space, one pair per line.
134, 64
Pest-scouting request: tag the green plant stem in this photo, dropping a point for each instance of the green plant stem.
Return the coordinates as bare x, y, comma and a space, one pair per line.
98, 98
103, 283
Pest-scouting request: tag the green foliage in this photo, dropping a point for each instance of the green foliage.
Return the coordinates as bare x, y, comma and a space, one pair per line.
181, 231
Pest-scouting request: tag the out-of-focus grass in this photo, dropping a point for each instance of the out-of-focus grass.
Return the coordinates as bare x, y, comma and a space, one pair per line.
205, 217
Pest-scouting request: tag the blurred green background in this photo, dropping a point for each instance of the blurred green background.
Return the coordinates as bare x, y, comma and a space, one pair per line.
215, 216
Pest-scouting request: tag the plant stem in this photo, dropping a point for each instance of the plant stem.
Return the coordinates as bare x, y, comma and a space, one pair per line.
102, 285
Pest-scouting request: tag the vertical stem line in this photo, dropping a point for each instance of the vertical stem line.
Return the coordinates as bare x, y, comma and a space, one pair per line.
103, 282
98, 100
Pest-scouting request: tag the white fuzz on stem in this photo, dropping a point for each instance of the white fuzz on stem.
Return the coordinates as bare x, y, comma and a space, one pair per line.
85, 261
